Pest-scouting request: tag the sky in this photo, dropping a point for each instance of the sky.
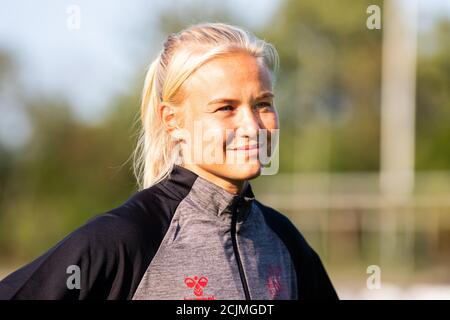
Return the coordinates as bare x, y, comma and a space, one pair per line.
90, 65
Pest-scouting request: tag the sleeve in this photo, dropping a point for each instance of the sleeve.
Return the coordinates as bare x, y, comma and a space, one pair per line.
87, 264
319, 285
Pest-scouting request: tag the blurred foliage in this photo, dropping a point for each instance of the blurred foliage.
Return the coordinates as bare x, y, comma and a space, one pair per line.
329, 85
67, 173
327, 93
433, 100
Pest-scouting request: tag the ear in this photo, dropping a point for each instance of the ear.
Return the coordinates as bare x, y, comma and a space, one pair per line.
167, 116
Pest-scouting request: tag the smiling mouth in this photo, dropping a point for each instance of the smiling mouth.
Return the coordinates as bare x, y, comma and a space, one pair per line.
252, 147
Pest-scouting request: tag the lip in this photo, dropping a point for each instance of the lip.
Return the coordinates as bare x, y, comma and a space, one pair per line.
252, 147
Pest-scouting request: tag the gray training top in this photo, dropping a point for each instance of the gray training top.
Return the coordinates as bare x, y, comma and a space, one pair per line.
200, 243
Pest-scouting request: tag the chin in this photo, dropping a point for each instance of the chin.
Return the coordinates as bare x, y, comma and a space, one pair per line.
243, 171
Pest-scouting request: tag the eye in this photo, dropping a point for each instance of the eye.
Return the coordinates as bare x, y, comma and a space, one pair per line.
225, 108
264, 105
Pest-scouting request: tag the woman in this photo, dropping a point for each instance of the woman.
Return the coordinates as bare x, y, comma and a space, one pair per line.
195, 229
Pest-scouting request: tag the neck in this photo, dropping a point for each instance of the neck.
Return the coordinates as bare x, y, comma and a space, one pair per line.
230, 185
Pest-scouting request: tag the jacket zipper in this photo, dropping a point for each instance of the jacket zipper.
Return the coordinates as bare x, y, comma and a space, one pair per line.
236, 253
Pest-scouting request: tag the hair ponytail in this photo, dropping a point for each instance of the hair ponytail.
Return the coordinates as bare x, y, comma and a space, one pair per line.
153, 156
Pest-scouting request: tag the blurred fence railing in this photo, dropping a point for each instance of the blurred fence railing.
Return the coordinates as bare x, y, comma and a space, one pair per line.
346, 218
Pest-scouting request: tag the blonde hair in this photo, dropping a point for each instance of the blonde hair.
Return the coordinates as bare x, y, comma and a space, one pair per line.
156, 152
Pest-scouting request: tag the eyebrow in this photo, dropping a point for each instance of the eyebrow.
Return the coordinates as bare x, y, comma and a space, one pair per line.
266, 94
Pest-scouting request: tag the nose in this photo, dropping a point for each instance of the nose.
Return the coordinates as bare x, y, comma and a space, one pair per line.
249, 123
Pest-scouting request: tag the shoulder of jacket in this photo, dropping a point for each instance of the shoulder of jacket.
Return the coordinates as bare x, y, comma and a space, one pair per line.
141, 221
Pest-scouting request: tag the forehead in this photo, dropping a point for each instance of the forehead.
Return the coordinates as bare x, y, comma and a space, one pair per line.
231, 76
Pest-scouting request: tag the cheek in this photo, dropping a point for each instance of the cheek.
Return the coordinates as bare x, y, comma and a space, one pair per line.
270, 140
214, 133
269, 121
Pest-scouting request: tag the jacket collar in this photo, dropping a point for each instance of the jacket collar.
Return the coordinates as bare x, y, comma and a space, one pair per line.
208, 195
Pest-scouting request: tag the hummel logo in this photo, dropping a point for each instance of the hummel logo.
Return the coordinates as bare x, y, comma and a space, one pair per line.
197, 284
